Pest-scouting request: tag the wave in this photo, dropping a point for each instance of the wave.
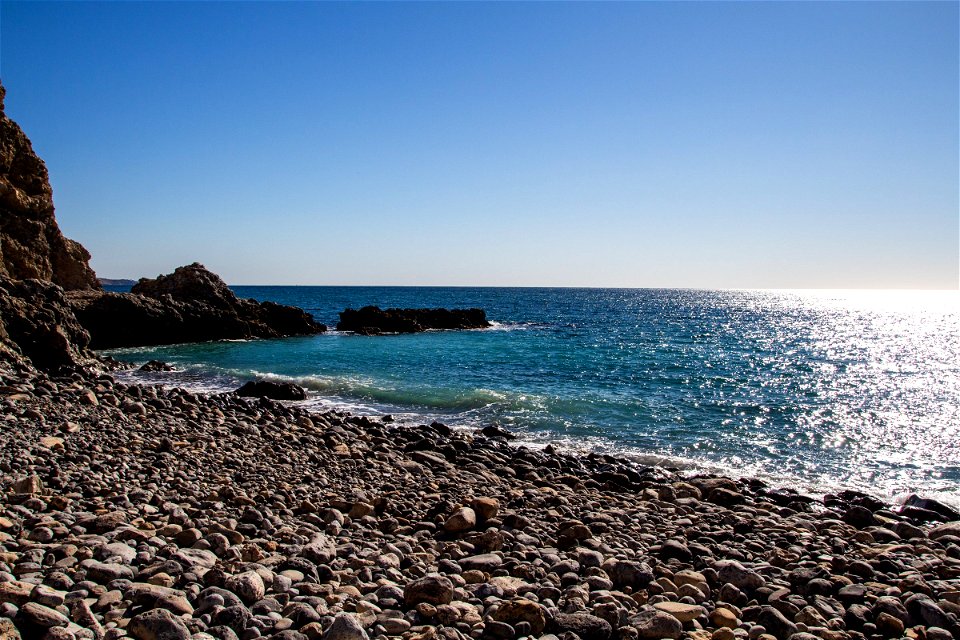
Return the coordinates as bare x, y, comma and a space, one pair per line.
361, 388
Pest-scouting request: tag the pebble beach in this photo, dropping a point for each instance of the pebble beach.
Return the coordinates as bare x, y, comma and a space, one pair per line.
161, 514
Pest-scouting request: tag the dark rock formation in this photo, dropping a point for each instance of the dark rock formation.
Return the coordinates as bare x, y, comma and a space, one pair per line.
374, 320
31, 244
154, 366
38, 328
272, 390
190, 305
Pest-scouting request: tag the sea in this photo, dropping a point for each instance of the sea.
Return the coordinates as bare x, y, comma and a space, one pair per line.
814, 390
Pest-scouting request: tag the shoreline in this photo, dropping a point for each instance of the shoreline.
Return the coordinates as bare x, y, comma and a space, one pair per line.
161, 513
602, 445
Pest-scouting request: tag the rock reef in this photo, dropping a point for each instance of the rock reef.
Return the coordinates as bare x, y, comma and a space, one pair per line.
374, 320
189, 305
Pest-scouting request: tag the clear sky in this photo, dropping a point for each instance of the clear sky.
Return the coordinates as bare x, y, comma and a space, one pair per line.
612, 144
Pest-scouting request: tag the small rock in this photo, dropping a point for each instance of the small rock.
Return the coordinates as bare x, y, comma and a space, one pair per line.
653, 624
432, 588
739, 576
680, 611
723, 617
463, 519
248, 585
485, 508
522, 610
41, 616
586, 626
30, 484
345, 627
483, 562
158, 624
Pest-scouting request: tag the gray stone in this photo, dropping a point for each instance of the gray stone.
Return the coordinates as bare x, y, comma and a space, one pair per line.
195, 559
483, 562
158, 624
585, 625
248, 585
654, 625
345, 627
41, 616
627, 573
104, 572
776, 623
731, 571
432, 588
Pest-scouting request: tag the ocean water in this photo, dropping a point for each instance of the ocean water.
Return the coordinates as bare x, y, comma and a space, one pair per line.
817, 390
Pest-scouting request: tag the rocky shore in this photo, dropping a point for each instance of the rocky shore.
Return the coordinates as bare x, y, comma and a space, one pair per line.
161, 514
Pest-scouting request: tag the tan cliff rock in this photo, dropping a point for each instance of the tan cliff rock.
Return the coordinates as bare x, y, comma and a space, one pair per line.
31, 244
52, 308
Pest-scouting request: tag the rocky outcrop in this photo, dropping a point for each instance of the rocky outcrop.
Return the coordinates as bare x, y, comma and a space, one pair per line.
189, 305
41, 326
31, 244
374, 320
38, 328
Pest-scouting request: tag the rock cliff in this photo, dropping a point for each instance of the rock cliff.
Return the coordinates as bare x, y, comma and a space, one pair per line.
38, 328
31, 244
52, 308
189, 305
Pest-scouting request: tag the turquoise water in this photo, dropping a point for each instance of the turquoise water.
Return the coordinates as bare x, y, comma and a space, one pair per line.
816, 390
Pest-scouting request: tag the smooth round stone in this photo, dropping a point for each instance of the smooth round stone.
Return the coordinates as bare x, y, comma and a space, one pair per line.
682, 612
723, 617
42, 616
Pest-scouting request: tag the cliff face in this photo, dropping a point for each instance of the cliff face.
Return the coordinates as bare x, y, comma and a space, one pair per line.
52, 308
31, 244
38, 327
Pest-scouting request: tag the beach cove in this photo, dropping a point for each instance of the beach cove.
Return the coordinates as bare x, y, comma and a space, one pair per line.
185, 460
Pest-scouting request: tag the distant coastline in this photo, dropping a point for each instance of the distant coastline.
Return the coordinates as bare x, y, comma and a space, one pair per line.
117, 282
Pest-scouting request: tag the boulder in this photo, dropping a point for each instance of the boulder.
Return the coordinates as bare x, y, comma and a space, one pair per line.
38, 327
272, 390
941, 512
374, 320
156, 365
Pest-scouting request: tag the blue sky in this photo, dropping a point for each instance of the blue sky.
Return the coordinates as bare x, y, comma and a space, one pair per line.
615, 144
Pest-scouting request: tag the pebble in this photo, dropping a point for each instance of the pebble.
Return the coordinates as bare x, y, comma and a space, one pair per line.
158, 624
168, 514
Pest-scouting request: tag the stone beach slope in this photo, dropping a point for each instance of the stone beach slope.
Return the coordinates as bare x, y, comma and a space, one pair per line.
159, 514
